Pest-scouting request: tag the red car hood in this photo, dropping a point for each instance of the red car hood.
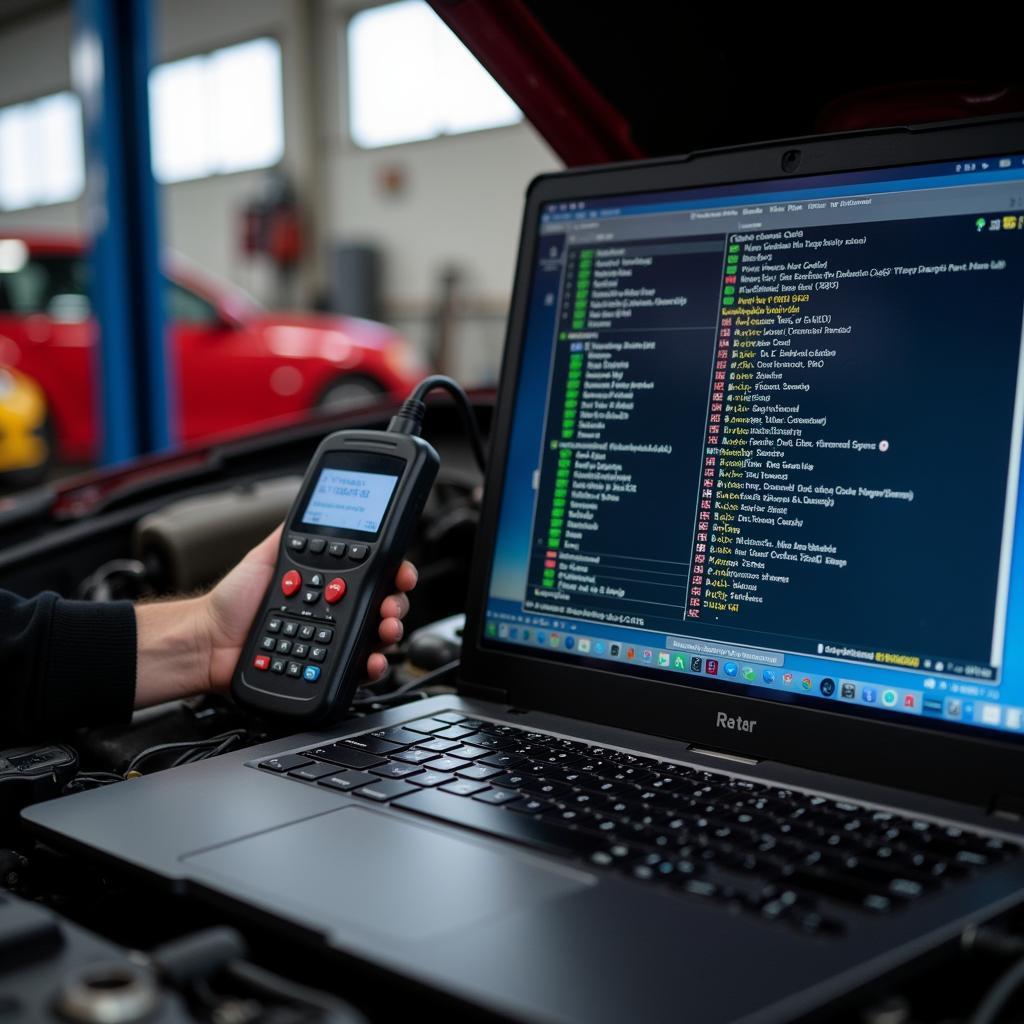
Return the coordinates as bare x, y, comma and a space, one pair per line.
649, 78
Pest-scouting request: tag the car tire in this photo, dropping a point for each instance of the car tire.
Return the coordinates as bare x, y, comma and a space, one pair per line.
349, 392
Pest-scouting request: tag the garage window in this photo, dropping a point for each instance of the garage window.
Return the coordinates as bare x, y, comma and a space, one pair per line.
218, 112
41, 155
410, 78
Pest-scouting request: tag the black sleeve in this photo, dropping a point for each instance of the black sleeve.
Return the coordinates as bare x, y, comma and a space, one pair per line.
63, 664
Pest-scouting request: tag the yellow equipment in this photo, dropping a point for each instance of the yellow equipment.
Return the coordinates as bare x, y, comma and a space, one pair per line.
23, 444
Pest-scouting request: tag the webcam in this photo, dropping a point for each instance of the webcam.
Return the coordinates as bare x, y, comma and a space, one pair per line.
790, 160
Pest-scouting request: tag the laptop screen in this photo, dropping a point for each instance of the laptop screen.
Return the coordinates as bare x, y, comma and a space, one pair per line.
766, 440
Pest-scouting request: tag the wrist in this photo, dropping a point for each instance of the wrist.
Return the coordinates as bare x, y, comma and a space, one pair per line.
174, 650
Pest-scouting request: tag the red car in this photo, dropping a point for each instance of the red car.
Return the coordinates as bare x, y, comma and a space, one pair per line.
236, 364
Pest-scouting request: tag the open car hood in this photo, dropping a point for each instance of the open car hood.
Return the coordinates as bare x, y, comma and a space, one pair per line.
621, 81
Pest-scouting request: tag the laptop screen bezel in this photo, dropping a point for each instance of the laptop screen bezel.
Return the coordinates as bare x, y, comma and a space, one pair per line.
970, 768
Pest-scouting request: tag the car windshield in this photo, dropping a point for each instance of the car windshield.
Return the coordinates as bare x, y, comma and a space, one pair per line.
207, 284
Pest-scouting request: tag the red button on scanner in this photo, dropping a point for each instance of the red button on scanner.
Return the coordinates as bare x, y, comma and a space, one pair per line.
262, 662
290, 582
335, 590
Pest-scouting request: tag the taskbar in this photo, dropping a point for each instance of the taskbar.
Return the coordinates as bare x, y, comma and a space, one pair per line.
952, 700
793, 644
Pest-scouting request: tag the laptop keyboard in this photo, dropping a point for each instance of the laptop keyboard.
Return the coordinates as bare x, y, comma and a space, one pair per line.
782, 854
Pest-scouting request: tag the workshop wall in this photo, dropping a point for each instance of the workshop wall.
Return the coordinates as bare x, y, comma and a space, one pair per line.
427, 205
458, 202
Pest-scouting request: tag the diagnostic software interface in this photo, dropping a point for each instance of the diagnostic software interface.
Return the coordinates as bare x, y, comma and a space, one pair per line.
767, 439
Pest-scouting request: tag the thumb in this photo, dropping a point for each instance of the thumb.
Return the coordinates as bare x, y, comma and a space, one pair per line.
265, 553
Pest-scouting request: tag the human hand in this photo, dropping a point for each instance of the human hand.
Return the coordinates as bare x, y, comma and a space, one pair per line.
192, 645
235, 601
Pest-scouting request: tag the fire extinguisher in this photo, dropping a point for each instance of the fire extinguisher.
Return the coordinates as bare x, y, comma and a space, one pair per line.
272, 227
284, 234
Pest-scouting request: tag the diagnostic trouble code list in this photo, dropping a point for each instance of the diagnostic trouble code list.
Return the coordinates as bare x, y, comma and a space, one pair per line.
744, 427
623, 440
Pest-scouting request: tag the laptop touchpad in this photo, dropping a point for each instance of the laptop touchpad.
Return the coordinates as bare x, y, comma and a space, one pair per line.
392, 876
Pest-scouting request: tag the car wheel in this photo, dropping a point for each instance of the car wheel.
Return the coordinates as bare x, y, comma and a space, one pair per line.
350, 393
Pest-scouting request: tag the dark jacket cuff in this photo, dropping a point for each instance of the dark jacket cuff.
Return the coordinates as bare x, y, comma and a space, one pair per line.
89, 664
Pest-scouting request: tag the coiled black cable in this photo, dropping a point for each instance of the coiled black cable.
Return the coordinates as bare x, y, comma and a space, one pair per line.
409, 418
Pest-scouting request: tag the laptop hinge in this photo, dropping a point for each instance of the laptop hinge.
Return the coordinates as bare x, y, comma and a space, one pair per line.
495, 694
735, 758
1009, 806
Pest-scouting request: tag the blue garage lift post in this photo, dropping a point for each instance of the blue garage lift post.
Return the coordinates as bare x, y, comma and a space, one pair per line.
111, 62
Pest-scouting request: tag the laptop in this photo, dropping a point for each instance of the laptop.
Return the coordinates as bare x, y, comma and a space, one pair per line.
740, 711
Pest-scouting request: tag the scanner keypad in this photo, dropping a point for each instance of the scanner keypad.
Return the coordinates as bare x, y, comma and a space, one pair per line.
308, 594
301, 648
289, 644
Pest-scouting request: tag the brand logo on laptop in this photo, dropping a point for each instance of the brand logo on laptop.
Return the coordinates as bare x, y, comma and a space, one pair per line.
735, 723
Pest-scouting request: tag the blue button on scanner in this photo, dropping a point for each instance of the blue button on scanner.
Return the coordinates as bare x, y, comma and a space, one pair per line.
311, 673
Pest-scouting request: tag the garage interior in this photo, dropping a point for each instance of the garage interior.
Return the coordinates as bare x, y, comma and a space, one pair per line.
230, 229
